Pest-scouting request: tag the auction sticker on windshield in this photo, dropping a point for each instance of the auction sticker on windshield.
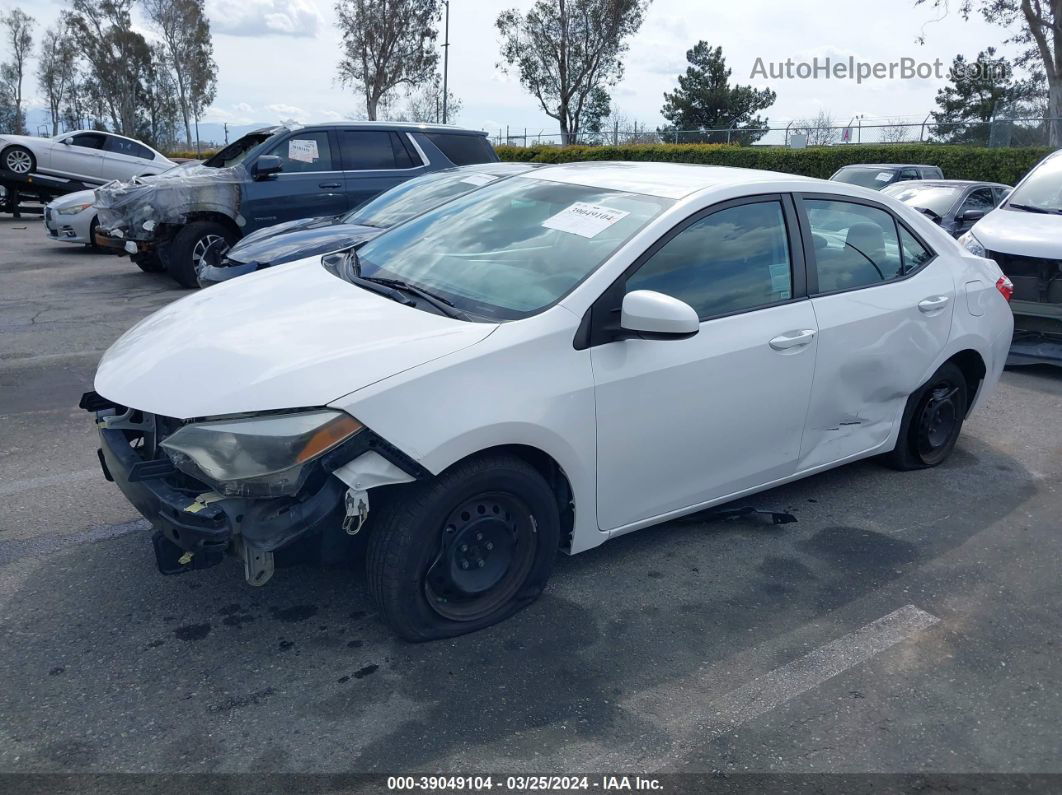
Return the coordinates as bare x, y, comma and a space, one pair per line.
586, 220
304, 149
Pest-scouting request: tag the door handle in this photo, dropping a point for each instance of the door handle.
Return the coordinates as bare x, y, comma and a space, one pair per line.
933, 303
792, 339
328, 185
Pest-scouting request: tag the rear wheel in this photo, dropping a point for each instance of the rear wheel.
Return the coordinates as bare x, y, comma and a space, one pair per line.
184, 255
463, 551
932, 421
19, 160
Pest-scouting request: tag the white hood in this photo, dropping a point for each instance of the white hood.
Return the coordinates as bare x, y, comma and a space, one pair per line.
292, 336
1019, 232
70, 199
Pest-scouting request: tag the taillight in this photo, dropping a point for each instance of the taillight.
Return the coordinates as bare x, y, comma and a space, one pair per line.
1005, 287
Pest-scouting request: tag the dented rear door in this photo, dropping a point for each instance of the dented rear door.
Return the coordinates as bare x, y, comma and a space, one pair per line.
878, 337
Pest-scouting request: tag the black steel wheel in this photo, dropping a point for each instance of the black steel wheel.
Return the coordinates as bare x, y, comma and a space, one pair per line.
463, 551
932, 420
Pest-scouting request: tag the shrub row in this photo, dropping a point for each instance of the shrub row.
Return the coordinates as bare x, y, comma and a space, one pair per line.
956, 161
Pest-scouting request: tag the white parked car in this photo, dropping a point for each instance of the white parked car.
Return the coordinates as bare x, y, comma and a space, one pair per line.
72, 218
1024, 236
87, 156
546, 363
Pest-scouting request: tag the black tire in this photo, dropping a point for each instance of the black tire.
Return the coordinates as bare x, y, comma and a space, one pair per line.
92, 234
18, 160
148, 262
932, 421
463, 551
184, 251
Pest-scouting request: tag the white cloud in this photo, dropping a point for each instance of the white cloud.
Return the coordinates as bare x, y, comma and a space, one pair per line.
288, 112
299, 18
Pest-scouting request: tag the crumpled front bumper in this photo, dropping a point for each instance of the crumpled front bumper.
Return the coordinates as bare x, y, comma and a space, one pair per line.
194, 526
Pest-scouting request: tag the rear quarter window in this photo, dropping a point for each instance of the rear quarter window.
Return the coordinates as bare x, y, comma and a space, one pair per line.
463, 150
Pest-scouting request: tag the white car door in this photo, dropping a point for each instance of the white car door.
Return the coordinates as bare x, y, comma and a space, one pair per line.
78, 156
883, 308
684, 422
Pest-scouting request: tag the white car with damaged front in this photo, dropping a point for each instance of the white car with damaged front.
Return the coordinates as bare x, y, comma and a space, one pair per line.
544, 364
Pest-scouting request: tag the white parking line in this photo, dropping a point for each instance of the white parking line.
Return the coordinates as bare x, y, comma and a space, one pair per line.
692, 728
28, 484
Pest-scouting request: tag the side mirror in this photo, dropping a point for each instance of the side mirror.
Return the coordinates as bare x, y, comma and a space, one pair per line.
969, 216
653, 315
267, 165
67, 141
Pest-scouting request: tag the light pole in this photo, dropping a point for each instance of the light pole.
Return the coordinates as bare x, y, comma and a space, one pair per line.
446, 56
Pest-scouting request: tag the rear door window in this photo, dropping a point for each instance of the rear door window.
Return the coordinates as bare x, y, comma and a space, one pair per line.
304, 151
373, 150
855, 245
123, 146
463, 150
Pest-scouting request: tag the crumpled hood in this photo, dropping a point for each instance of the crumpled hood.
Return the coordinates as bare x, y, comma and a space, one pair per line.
289, 337
136, 207
1022, 233
303, 241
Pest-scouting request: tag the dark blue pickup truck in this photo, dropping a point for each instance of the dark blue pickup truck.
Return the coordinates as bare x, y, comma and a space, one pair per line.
269, 176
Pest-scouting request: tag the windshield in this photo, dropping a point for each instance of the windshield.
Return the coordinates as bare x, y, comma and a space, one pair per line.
234, 153
1042, 189
512, 248
416, 196
938, 200
873, 178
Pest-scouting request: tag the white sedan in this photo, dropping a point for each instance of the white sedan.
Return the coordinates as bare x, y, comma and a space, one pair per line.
72, 218
544, 364
86, 156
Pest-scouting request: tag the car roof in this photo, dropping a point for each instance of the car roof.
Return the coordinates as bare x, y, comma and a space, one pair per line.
385, 125
944, 183
887, 165
501, 168
668, 180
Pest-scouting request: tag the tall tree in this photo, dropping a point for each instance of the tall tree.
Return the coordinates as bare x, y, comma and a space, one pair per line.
386, 44
567, 54
185, 33
979, 91
57, 70
705, 101
1036, 25
119, 58
18, 36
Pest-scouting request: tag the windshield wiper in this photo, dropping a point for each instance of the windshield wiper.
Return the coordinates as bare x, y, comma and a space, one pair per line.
396, 287
1032, 208
443, 304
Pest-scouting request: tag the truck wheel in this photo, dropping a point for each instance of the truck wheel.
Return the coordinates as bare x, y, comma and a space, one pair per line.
931, 421
185, 252
463, 551
148, 262
19, 160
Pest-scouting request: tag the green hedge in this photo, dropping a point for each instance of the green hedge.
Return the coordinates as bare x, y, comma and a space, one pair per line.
957, 162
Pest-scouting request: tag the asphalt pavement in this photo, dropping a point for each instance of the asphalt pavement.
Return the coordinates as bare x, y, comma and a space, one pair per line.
906, 623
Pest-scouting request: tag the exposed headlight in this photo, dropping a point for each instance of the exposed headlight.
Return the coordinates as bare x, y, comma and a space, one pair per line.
74, 209
258, 456
973, 245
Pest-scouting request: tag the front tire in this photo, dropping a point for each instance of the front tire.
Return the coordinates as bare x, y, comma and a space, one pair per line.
463, 551
185, 252
19, 160
932, 421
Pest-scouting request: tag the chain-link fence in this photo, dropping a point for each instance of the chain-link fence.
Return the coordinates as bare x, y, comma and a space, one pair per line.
996, 133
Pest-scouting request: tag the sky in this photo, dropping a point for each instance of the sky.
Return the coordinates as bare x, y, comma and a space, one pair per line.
277, 58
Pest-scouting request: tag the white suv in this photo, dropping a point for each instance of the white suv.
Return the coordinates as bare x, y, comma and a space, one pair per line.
1024, 236
543, 364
